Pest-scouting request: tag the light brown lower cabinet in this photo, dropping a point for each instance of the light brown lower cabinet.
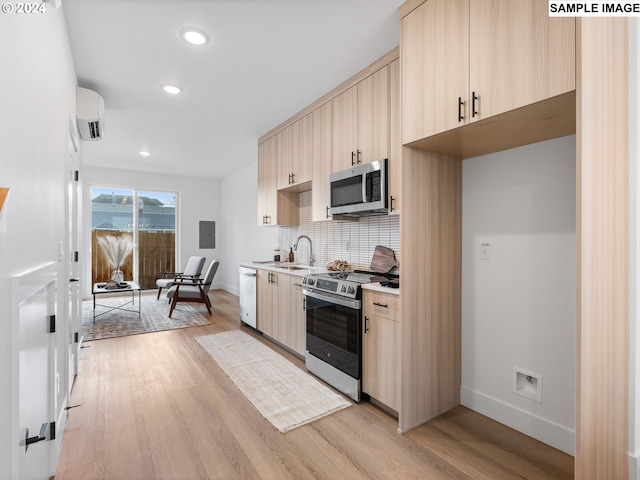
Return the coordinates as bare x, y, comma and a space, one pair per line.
298, 318
280, 309
381, 337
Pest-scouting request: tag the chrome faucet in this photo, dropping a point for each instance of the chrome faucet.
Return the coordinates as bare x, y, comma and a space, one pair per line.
312, 257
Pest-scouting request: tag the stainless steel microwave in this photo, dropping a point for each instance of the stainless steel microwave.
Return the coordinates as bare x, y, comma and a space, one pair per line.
360, 190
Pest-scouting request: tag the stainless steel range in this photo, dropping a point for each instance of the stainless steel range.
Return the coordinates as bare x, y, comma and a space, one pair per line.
334, 328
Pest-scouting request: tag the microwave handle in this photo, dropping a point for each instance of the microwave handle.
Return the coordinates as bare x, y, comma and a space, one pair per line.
364, 188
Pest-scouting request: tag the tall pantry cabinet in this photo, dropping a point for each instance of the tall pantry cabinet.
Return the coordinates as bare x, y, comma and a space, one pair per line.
531, 78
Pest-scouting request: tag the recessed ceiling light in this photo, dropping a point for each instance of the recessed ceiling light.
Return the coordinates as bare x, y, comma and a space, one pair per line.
144, 153
194, 36
172, 89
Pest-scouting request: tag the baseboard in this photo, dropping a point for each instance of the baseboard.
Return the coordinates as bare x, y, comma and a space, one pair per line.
546, 431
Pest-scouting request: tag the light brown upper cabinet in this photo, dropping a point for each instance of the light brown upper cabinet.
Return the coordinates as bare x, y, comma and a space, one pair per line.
395, 140
294, 154
274, 207
464, 61
360, 122
321, 161
267, 191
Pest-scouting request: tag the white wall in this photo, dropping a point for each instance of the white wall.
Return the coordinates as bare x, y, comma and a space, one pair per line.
37, 98
242, 240
198, 199
518, 307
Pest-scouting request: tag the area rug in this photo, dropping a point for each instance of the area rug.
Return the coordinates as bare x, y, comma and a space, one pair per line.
154, 317
285, 395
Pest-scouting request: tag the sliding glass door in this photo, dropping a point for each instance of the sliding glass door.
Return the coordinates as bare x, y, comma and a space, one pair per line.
133, 235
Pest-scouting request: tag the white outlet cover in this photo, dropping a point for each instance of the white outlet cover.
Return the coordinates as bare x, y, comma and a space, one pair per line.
485, 251
527, 384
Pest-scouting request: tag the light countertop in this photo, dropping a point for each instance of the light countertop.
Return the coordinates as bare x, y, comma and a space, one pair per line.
300, 270
376, 287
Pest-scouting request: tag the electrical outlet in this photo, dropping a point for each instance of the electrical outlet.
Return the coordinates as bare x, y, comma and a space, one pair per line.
527, 384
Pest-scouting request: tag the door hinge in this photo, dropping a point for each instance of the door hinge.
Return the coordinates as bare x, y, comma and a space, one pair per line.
52, 431
52, 324
75, 337
76, 175
76, 256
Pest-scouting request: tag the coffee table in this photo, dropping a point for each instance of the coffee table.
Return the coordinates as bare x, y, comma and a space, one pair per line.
100, 289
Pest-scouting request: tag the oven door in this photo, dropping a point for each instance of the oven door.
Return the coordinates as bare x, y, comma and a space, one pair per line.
334, 331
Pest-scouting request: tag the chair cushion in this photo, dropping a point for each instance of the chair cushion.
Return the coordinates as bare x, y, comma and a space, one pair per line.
164, 282
186, 291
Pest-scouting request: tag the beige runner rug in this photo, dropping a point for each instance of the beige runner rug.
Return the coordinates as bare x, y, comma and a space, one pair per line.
283, 394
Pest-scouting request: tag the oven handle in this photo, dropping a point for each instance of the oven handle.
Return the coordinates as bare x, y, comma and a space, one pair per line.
344, 302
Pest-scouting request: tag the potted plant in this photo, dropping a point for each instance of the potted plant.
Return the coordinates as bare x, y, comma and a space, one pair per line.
116, 250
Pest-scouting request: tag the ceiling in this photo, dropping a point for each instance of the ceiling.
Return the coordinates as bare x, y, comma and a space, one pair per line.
265, 61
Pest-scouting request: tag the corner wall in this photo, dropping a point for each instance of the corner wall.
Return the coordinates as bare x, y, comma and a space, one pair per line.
518, 306
37, 98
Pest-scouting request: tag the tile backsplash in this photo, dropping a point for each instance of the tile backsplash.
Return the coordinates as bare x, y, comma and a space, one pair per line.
340, 240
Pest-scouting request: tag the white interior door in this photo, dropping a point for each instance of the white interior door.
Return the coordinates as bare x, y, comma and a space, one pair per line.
74, 311
35, 298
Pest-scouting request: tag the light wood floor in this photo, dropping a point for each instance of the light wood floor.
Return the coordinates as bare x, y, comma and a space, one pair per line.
157, 406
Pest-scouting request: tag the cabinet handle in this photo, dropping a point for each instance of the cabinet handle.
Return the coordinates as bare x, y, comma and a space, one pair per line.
358, 156
353, 156
304, 304
293, 178
366, 324
327, 211
474, 99
267, 219
380, 305
391, 203
460, 105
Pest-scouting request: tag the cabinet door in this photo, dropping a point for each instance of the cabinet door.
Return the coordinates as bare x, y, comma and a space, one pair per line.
281, 294
285, 141
321, 161
302, 149
267, 191
380, 362
395, 140
264, 302
344, 129
518, 54
298, 318
373, 117
435, 68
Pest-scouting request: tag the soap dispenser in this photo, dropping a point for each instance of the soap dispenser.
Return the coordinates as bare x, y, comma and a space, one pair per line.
290, 254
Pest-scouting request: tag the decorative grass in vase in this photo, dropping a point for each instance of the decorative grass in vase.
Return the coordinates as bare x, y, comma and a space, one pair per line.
116, 250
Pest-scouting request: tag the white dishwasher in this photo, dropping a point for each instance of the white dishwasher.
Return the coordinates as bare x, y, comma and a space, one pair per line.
247, 293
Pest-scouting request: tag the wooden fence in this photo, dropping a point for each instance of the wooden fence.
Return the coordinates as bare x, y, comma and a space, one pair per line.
156, 254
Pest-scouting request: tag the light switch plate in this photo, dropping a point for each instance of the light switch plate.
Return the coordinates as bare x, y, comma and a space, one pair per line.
485, 251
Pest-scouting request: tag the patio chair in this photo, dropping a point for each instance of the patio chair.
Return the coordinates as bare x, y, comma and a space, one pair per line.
193, 269
193, 290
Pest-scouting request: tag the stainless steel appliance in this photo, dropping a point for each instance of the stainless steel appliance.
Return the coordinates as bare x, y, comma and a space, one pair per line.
334, 328
247, 294
360, 190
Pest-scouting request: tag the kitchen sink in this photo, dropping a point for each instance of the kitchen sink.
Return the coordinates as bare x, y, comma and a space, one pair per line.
284, 265
292, 267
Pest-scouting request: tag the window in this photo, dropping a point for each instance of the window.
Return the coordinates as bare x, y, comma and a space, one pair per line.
150, 226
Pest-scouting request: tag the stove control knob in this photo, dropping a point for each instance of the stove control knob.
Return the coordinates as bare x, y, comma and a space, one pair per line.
343, 289
309, 281
351, 290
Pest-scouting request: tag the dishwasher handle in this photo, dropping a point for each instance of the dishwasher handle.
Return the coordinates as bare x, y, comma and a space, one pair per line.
249, 272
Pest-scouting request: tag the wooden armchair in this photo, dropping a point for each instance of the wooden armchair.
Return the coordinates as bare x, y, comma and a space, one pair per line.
193, 290
193, 269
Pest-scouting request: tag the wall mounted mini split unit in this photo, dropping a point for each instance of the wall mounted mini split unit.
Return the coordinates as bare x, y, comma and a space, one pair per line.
89, 114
